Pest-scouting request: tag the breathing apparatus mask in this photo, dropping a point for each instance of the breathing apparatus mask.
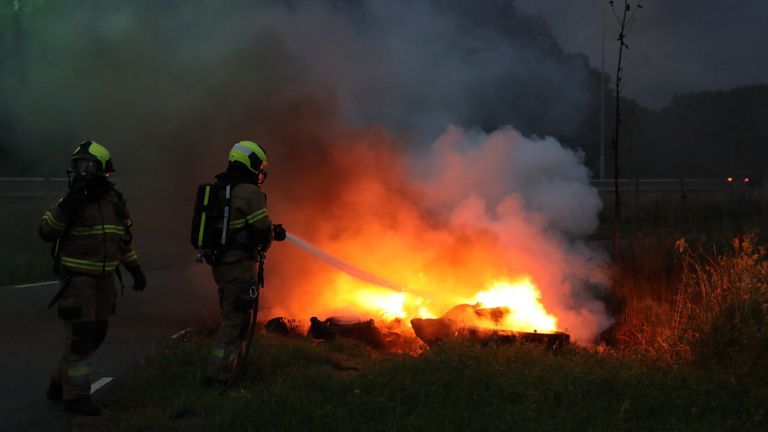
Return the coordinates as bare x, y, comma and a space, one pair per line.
85, 170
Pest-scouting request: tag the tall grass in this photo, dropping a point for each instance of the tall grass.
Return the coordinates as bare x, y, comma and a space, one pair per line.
721, 308
705, 304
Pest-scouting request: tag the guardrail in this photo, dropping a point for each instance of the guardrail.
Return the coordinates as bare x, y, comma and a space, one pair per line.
30, 186
47, 187
681, 188
665, 185
20, 187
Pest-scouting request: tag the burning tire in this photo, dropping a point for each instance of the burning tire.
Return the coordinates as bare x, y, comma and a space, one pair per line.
435, 331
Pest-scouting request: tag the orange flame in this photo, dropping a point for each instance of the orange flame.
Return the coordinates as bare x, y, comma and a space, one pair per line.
519, 301
523, 300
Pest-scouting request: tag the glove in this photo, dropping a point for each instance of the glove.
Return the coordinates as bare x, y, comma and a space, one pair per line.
74, 199
139, 280
279, 232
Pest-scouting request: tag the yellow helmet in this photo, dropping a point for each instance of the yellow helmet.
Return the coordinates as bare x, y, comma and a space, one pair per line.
94, 152
251, 155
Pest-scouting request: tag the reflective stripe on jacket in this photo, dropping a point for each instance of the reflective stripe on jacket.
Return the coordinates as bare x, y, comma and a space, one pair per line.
249, 220
95, 239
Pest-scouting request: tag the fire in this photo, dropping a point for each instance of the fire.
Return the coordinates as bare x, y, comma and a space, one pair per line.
516, 304
523, 300
390, 305
381, 303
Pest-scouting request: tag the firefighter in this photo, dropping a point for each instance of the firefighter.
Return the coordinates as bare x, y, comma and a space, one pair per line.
90, 228
233, 269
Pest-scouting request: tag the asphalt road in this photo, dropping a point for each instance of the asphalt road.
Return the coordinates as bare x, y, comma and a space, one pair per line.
31, 340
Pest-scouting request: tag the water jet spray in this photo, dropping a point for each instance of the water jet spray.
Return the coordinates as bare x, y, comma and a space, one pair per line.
343, 265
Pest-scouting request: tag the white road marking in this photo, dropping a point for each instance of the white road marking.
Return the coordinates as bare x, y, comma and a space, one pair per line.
181, 333
32, 284
101, 382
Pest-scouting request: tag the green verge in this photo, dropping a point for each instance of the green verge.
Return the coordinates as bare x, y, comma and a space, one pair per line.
294, 384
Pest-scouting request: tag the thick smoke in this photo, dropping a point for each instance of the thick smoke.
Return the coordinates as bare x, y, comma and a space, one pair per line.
348, 97
147, 74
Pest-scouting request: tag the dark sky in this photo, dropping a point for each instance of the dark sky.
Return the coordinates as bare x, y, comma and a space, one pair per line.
676, 46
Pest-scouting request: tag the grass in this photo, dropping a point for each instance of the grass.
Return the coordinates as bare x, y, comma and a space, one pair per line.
722, 305
695, 290
714, 314
294, 384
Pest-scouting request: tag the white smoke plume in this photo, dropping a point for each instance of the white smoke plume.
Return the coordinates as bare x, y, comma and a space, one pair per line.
535, 196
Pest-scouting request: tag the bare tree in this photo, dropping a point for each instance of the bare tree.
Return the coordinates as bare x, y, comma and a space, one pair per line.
625, 19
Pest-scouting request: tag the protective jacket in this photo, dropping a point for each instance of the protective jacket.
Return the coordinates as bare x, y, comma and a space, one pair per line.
95, 238
249, 224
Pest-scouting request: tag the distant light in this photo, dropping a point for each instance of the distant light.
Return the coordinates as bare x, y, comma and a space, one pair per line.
730, 179
746, 179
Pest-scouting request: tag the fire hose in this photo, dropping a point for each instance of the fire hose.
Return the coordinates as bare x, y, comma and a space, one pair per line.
344, 266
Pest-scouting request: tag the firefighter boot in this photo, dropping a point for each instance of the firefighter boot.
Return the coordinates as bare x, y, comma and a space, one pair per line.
55, 391
82, 406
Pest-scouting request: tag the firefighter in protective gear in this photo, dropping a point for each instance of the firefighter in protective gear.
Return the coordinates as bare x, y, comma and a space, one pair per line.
90, 227
249, 229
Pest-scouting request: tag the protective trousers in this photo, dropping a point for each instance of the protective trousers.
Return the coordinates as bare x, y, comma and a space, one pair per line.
235, 281
84, 310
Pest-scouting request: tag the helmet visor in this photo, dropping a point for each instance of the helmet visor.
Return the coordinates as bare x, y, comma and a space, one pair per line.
86, 168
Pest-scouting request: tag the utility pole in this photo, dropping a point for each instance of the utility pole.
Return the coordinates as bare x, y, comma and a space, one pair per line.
17, 47
602, 89
626, 20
